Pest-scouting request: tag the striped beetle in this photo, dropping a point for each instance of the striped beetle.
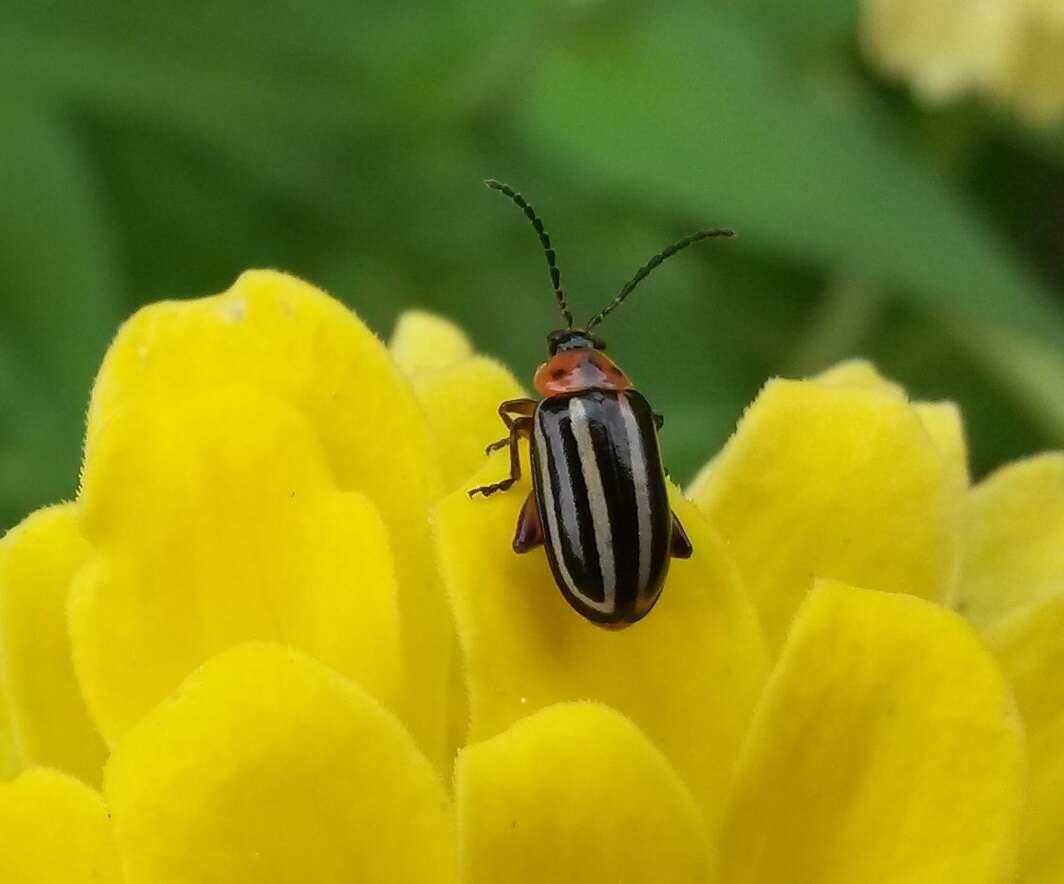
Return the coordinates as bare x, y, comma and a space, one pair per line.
599, 502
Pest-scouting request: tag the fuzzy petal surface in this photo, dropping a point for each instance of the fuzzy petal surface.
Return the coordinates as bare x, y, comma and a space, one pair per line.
860, 374
576, 792
945, 425
942, 420
293, 342
886, 748
268, 767
687, 675
1030, 648
461, 403
215, 521
459, 392
55, 830
833, 480
425, 343
1014, 539
49, 723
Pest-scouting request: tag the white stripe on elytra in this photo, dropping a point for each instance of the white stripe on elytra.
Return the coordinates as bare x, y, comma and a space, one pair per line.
639, 482
596, 499
550, 517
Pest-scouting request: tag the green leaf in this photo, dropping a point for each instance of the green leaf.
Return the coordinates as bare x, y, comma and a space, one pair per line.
699, 112
1034, 371
58, 304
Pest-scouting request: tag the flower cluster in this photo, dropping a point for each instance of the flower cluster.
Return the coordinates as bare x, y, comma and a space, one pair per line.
1009, 50
274, 640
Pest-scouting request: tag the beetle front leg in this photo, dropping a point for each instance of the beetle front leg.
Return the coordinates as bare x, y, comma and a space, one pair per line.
509, 411
519, 426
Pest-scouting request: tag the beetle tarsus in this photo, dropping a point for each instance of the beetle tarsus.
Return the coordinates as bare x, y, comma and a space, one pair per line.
487, 490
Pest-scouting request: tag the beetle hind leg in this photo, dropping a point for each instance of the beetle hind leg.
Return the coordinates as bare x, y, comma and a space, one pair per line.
529, 533
679, 544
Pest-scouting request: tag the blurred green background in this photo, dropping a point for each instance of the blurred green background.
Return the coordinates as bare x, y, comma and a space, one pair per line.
156, 150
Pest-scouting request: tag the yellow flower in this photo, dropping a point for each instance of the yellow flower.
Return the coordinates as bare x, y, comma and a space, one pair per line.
274, 640
945, 49
1033, 80
1010, 50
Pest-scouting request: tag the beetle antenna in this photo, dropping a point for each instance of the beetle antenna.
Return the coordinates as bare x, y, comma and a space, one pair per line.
644, 271
544, 238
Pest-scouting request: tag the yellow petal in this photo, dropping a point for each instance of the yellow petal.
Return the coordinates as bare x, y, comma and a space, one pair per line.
688, 674
461, 403
1014, 539
267, 767
294, 342
885, 749
860, 374
945, 425
10, 756
828, 480
424, 343
1030, 648
216, 521
55, 830
575, 793
941, 420
50, 725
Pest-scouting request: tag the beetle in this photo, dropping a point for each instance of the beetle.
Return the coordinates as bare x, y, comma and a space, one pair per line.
599, 502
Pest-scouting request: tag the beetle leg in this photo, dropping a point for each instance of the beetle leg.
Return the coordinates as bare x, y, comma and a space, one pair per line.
679, 545
519, 426
509, 411
659, 421
529, 533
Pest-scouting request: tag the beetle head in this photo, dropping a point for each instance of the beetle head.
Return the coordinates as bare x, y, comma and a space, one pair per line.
573, 339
